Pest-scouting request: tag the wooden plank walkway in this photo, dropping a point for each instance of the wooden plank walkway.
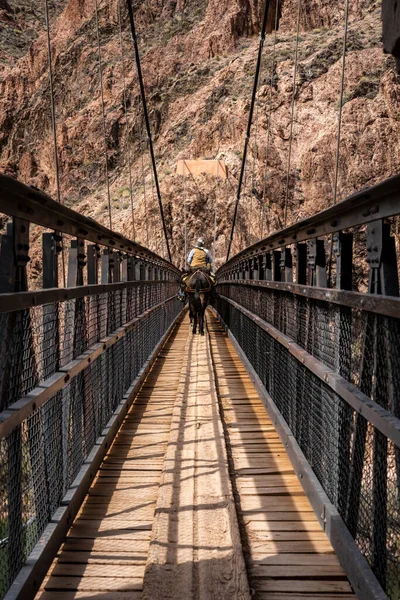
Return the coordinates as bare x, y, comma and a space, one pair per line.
180, 507
288, 556
104, 555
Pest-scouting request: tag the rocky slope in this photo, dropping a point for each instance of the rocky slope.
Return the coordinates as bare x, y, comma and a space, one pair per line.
198, 64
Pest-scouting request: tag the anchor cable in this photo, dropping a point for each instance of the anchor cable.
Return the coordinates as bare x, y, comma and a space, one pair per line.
54, 127
269, 124
250, 120
339, 131
146, 116
103, 111
128, 153
292, 111
339, 128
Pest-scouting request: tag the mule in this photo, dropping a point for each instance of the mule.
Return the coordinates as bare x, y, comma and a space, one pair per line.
198, 293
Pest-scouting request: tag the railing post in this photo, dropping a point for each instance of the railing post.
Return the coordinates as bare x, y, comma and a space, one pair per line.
92, 264
75, 343
276, 267
268, 266
317, 263
256, 268
301, 263
286, 264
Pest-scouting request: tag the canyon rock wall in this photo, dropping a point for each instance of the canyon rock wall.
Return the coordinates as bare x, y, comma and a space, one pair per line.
198, 64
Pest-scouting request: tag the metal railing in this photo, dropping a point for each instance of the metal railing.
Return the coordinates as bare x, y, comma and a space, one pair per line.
70, 359
314, 310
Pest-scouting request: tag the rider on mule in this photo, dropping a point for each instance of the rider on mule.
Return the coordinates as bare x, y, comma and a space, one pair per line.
199, 259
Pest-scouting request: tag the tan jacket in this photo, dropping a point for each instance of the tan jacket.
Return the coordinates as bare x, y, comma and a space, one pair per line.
200, 258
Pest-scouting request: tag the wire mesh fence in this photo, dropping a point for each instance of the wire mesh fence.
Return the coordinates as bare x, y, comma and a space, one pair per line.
356, 464
42, 455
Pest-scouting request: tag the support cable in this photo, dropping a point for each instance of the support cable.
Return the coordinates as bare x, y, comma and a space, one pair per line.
292, 110
128, 152
246, 143
339, 132
146, 116
215, 216
103, 111
269, 121
184, 215
54, 127
339, 128
144, 185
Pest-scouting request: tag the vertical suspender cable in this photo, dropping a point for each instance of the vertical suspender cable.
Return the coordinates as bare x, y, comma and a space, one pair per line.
339, 129
103, 111
246, 143
128, 152
346, 25
53, 111
184, 215
292, 110
144, 185
53, 121
269, 120
146, 116
215, 215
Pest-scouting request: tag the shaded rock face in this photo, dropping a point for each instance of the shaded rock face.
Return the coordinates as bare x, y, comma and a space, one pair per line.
198, 63
391, 29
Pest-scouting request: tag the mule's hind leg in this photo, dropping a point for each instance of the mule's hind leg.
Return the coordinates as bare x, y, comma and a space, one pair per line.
194, 323
201, 320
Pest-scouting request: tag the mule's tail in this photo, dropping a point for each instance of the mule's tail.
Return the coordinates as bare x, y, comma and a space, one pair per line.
197, 290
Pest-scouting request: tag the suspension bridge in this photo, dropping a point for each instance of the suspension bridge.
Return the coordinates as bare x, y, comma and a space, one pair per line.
261, 460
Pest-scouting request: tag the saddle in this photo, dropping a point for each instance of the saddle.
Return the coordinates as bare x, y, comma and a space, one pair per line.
190, 288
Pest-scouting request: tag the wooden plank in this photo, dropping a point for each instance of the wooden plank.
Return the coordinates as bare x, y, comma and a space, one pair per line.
57, 595
100, 558
304, 560
298, 586
94, 584
109, 544
94, 570
260, 547
290, 571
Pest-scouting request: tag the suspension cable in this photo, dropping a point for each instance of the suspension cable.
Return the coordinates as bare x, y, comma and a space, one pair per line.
144, 184
146, 116
215, 215
54, 127
128, 153
292, 110
339, 131
184, 215
246, 143
103, 111
339, 127
269, 120
53, 110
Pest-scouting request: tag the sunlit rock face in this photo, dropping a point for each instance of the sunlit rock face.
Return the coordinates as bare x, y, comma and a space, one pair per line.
198, 61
